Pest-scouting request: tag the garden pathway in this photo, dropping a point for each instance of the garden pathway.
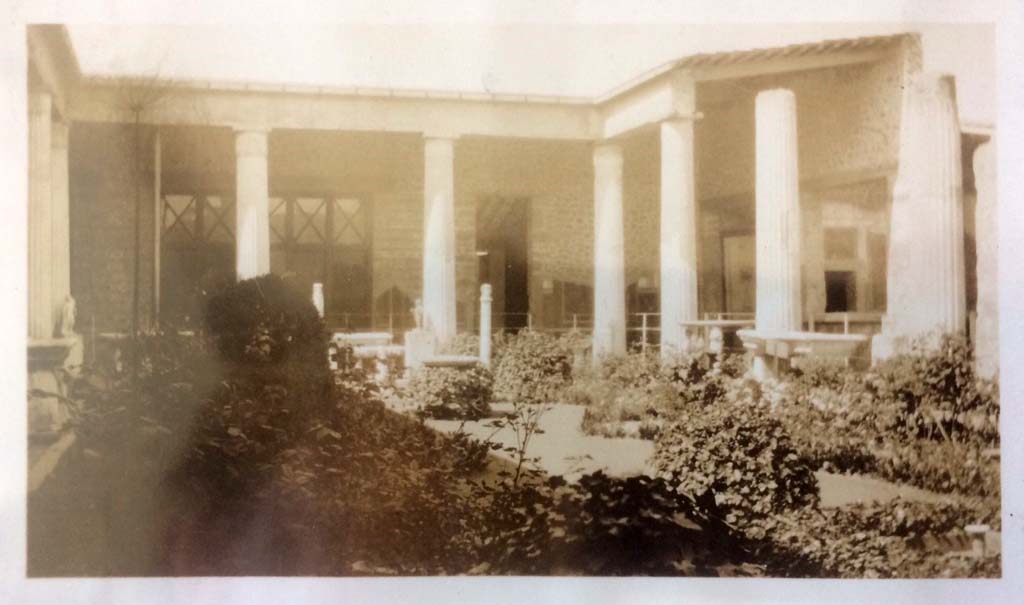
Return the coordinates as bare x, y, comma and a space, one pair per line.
564, 449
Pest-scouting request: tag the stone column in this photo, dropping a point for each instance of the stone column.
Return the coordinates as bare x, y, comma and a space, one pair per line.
252, 235
777, 229
61, 238
986, 230
41, 307
609, 336
777, 213
678, 234
925, 283
439, 238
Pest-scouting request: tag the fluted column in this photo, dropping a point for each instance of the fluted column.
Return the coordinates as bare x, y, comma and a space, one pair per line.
986, 217
40, 218
252, 235
926, 283
609, 337
777, 213
678, 234
61, 242
439, 238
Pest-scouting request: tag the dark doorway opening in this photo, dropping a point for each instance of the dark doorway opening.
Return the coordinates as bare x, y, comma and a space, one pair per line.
502, 236
840, 291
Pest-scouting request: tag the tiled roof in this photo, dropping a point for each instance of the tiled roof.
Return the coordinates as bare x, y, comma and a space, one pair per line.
700, 60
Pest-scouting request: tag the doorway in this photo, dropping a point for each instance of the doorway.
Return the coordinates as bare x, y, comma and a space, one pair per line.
739, 264
502, 225
840, 291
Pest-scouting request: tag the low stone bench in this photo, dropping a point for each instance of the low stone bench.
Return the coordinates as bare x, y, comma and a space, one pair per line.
714, 331
786, 345
358, 339
459, 362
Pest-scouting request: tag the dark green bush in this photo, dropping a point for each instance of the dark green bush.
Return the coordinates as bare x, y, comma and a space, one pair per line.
641, 387
452, 392
936, 394
533, 368
601, 526
265, 320
870, 541
742, 455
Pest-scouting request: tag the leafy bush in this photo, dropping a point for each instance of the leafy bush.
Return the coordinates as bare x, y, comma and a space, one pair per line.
742, 455
642, 388
533, 367
452, 392
601, 526
869, 541
264, 320
937, 395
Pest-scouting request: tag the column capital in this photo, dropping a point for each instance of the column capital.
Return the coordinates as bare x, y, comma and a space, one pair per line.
59, 134
681, 117
607, 153
40, 102
440, 135
251, 142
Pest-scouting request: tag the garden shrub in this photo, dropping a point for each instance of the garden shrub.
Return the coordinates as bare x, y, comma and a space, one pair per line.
937, 395
533, 367
268, 332
601, 525
265, 320
641, 387
452, 392
876, 540
742, 455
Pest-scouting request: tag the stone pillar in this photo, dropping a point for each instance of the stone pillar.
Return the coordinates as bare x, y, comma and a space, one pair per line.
41, 307
609, 337
252, 235
485, 324
986, 213
778, 213
439, 238
678, 234
61, 238
777, 219
926, 285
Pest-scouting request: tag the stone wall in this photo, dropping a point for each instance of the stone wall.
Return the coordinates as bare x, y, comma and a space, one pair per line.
103, 196
847, 121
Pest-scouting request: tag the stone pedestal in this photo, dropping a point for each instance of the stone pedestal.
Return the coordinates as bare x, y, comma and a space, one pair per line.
439, 302
609, 336
46, 359
926, 284
252, 235
777, 217
678, 234
986, 337
420, 345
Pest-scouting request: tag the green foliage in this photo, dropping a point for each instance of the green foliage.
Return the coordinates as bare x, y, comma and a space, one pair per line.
452, 392
645, 391
937, 395
870, 541
742, 455
533, 367
265, 320
601, 526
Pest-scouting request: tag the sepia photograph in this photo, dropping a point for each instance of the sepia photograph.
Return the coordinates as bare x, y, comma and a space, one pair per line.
525, 299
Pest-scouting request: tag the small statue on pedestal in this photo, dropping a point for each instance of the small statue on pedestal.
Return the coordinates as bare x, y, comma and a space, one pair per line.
68, 315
